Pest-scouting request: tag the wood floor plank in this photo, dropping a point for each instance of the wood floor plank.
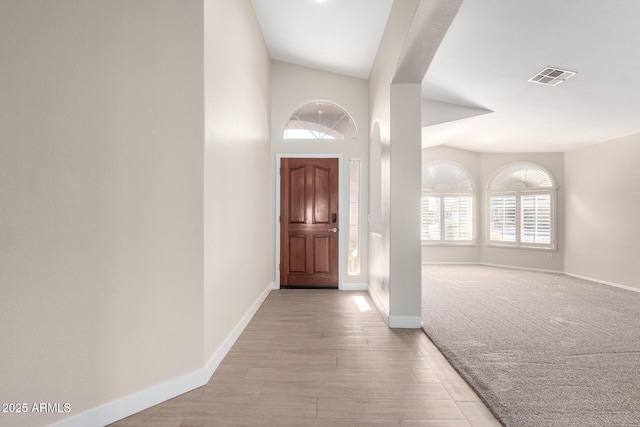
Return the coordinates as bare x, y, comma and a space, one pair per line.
288, 422
149, 423
424, 376
478, 414
372, 361
226, 372
362, 390
423, 423
262, 407
459, 390
395, 375
240, 389
324, 342
388, 409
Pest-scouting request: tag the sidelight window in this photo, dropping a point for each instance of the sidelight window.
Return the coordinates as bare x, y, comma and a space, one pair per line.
354, 213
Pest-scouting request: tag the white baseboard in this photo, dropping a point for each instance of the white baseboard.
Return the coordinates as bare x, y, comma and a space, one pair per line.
515, 267
399, 322
354, 287
143, 399
604, 282
451, 263
226, 345
136, 402
577, 276
406, 322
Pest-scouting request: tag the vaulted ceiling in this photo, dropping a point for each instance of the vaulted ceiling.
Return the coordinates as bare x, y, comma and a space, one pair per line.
477, 94
341, 36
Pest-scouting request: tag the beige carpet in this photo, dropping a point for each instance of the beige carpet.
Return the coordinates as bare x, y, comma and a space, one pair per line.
540, 349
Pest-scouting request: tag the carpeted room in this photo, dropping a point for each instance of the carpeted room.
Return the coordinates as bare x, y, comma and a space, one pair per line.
515, 335
541, 349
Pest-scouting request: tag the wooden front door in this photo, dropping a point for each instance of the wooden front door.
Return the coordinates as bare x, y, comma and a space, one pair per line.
309, 223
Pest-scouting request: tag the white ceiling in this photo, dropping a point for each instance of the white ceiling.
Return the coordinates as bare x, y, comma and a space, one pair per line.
341, 36
482, 66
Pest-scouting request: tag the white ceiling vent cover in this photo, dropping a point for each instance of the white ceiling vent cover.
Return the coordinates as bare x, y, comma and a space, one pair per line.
552, 76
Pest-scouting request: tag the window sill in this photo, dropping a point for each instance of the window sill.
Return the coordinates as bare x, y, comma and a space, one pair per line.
528, 248
454, 245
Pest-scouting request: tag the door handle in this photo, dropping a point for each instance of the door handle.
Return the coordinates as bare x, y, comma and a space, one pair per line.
333, 230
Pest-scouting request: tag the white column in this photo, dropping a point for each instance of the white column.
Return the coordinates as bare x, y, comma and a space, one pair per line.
404, 234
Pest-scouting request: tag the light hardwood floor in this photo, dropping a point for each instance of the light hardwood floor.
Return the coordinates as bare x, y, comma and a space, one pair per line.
325, 358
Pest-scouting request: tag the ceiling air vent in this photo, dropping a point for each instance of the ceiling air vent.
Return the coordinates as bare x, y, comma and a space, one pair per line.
551, 76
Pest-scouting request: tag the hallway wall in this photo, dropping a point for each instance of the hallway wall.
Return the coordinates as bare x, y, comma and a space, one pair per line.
101, 211
238, 233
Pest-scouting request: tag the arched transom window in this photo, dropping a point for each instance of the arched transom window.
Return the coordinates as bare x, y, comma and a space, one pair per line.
522, 206
320, 120
448, 201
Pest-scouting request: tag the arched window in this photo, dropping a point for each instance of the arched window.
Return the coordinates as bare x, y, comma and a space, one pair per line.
320, 120
448, 201
522, 206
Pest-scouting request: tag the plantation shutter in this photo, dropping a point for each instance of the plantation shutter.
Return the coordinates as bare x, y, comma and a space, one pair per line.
458, 223
535, 218
502, 221
430, 218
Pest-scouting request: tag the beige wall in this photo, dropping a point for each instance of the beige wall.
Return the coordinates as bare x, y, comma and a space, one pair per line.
237, 172
101, 212
294, 86
602, 210
134, 238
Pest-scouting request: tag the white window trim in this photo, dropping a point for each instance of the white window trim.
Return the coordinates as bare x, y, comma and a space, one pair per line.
359, 228
552, 191
474, 216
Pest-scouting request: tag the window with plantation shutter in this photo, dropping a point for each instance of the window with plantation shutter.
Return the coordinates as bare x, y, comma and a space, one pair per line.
447, 204
535, 215
502, 227
521, 207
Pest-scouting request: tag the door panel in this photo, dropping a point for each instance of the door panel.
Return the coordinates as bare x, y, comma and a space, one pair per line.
297, 207
321, 255
309, 223
321, 195
298, 251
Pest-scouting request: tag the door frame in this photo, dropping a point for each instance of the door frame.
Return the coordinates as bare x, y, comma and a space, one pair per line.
342, 213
